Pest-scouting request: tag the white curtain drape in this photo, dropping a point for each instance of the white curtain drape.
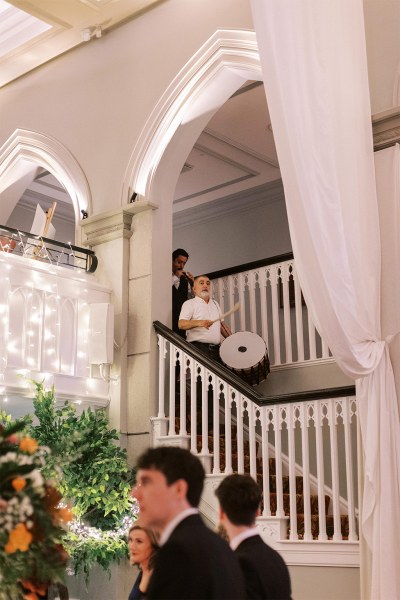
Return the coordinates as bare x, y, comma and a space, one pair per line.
315, 74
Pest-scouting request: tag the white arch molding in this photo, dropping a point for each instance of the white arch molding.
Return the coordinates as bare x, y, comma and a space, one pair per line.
35, 148
228, 59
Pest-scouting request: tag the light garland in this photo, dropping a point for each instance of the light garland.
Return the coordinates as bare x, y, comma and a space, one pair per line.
38, 304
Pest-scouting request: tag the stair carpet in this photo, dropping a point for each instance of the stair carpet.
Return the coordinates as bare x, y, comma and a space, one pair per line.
273, 490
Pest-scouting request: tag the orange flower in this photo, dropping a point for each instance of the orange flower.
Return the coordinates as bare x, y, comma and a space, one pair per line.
40, 588
27, 444
19, 539
18, 483
31, 596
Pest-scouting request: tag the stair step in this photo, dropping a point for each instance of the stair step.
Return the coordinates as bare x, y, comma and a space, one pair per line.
272, 482
299, 504
344, 522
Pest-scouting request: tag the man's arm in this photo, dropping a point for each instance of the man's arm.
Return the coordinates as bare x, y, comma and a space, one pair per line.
185, 318
186, 324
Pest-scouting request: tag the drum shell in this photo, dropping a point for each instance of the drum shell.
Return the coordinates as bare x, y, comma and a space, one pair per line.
253, 374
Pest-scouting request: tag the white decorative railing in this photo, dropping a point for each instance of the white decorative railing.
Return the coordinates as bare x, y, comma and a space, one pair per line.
271, 305
44, 329
303, 452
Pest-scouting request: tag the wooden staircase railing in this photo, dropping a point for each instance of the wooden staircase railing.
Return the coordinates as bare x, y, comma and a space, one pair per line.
301, 449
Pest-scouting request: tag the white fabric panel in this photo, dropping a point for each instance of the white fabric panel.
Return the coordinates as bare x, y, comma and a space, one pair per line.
314, 67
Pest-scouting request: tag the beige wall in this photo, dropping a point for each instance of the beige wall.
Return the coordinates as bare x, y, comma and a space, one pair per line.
382, 28
325, 583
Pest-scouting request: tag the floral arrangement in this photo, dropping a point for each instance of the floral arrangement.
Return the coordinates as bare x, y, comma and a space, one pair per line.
32, 521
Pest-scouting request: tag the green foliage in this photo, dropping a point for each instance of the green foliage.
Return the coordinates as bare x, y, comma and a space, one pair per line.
94, 478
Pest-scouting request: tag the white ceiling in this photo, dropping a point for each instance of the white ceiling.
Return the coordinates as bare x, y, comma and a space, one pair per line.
236, 151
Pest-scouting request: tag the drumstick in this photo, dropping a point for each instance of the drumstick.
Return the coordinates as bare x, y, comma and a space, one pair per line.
228, 312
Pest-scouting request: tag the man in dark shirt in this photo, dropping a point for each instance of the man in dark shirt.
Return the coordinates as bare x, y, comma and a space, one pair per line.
265, 572
182, 282
193, 562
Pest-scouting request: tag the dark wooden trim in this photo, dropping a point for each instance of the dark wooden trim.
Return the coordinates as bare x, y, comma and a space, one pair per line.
243, 387
322, 394
251, 265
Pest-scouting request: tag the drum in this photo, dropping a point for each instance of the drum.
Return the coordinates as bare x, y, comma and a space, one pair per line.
245, 353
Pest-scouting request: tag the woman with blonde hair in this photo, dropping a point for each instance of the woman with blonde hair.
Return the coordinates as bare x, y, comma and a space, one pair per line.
143, 546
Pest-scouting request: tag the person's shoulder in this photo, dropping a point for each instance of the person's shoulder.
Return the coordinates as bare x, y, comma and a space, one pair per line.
257, 545
193, 527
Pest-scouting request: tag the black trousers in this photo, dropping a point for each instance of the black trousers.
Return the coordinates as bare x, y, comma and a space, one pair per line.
212, 351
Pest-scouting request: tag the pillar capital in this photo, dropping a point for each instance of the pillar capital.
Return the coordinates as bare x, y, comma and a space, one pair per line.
112, 225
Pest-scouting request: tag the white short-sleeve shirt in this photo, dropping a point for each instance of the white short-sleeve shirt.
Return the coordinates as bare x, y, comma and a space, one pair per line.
199, 309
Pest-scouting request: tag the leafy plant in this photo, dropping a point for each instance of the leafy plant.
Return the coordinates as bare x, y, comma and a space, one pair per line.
94, 477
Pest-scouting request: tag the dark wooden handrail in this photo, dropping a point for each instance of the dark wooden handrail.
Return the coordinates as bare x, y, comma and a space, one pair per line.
256, 264
240, 385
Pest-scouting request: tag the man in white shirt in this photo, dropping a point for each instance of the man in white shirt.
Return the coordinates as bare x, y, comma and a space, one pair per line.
193, 562
265, 573
200, 317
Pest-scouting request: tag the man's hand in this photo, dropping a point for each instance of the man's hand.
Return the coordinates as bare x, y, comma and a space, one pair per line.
207, 324
185, 274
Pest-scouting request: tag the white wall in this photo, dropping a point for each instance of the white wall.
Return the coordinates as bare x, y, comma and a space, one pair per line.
249, 234
96, 99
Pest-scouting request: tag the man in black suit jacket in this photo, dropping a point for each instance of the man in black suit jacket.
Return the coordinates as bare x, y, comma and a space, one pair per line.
193, 562
182, 282
266, 574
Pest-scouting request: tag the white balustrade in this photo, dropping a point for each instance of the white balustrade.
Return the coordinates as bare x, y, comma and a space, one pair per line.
271, 305
302, 453
44, 332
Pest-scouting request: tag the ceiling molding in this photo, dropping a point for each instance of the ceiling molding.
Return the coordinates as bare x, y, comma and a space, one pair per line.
248, 173
386, 128
235, 203
241, 147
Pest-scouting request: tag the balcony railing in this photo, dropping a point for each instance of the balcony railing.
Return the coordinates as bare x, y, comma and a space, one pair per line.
272, 306
46, 250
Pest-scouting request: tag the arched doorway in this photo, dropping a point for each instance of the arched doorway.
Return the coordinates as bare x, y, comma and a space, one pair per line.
29, 158
225, 63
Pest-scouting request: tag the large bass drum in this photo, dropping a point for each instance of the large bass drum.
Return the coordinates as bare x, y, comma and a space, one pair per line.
245, 353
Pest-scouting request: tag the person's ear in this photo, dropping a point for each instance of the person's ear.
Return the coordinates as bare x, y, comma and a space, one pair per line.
181, 487
221, 515
258, 513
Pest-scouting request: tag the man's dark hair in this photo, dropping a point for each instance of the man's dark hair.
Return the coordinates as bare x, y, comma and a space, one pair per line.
179, 252
240, 498
174, 464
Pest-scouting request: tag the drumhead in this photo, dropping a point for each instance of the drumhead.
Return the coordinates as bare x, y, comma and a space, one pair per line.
242, 350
